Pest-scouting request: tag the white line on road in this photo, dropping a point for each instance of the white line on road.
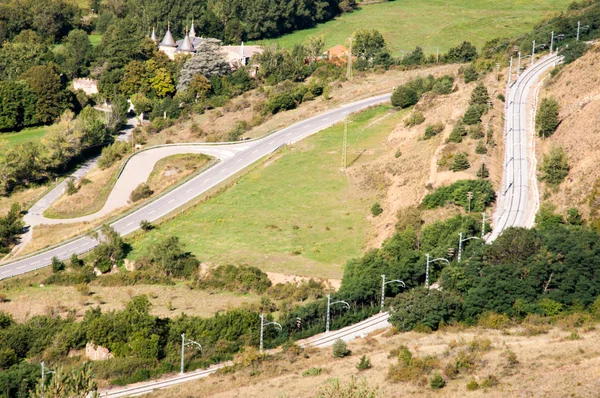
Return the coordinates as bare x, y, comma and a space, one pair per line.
34, 263
22, 266
326, 119
130, 223
239, 160
152, 211
189, 190
171, 201
256, 150
60, 254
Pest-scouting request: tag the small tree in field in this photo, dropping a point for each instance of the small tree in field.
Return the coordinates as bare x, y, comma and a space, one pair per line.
340, 349
546, 119
57, 265
460, 162
555, 166
404, 97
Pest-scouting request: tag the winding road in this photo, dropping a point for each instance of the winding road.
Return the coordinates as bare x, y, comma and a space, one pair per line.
513, 209
518, 198
235, 157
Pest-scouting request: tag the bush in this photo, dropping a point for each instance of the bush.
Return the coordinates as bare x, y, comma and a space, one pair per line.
75, 261
481, 149
404, 97
340, 349
437, 382
280, 102
410, 368
146, 225
473, 114
433, 130
460, 162
490, 381
472, 385
555, 166
142, 191
483, 172
546, 119
457, 134
476, 132
483, 195
113, 153
480, 96
376, 209
71, 188
312, 372
364, 363
492, 320
443, 85
57, 265
470, 74
414, 119
243, 279
501, 97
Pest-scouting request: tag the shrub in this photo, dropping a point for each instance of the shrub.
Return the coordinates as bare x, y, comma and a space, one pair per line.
57, 265
546, 119
146, 225
574, 217
398, 153
481, 149
280, 102
595, 308
376, 209
112, 153
422, 307
312, 372
483, 172
414, 119
243, 279
443, 85
437, 382
472, 385
433, 130
142, 191
404, 97
340, 349
351, 389
555, 166
460, 162
410, 368
490, 381
492, 320
480, 96
470, 74
75, 261
483, 195
550, 307
457, 134
237, 131
71, 188
511, 358
364, 363
473, 114
476, 132
501, 97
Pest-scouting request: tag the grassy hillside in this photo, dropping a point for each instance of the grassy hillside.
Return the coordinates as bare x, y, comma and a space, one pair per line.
296, 214
34, 133
434, 24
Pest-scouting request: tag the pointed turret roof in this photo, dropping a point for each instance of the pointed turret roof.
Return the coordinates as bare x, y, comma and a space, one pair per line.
187, 44
168, 41
192, 30
153, 36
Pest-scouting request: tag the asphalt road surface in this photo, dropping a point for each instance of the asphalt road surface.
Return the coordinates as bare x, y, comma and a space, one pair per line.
197, 186
514, 208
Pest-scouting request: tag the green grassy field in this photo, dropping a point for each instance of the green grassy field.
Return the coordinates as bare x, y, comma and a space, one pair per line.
35, 133
296, 214
434, 24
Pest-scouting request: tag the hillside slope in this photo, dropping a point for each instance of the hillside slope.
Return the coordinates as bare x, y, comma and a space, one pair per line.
577, 90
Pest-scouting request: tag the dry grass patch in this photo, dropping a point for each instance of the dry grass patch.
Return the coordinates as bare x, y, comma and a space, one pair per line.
505, 366
93, 191
172, 169
25, 197
26, 301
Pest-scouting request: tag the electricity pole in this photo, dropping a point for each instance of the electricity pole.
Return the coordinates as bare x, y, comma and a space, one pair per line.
519, 66
438, 56
510, 71
578, 28
262, 328
460, 242
383, 283
345, 147
329, 304
44, 373
427, 268
551, 42
533, 53
184, 344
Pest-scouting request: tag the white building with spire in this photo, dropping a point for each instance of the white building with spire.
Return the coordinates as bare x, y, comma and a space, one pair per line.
236, 55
